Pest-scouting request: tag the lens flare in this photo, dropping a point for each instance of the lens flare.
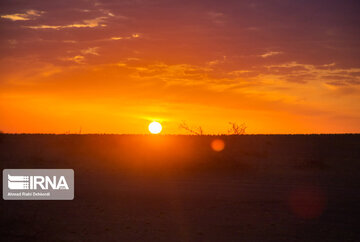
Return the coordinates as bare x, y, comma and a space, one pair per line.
307, 202
218, 145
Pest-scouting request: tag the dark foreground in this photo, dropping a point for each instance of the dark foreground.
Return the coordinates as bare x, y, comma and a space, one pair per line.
176, 188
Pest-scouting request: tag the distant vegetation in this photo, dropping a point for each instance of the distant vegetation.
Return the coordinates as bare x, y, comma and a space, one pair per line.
235, 128
196, 131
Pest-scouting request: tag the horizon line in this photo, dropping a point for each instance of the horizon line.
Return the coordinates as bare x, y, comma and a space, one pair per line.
129, 134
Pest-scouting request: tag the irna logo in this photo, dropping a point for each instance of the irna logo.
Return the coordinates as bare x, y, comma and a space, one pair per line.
36, 182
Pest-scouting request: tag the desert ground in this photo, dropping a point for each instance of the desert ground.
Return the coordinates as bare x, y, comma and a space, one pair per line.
176, 188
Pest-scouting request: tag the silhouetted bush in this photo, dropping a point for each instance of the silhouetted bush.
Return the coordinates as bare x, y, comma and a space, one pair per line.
237, 129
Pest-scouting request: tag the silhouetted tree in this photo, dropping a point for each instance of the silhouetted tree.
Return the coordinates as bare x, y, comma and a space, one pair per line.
198, 131
237, 129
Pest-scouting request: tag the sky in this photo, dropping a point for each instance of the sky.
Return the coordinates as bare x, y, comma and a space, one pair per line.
112, 66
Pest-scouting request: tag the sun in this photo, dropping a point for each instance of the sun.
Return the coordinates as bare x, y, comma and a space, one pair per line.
155, 127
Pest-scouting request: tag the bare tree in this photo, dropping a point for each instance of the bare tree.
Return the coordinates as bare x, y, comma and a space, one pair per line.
198, 131
237, 129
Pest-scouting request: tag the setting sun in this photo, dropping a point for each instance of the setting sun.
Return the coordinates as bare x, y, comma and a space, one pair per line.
155, 127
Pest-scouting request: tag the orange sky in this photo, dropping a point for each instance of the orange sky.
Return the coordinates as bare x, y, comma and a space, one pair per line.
114, 66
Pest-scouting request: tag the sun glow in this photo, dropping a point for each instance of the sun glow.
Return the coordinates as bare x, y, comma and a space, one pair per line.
155, 127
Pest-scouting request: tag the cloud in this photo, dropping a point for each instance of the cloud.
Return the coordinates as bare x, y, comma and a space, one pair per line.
78, 59
117, 38
70, 41
215, 14
28, 15
90, 23
120, 64
292, 64
90, 51
302, 73
217, 18
133, 36
185, 75
217, 62
329, 65
271, 53
107, 12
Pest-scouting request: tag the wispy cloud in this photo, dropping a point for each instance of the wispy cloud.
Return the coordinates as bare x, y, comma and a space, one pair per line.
90, 51
28, 15
217, 18
133, 36
117, 38
217, 62
271, 53
328, 73
90, 23
107, 12
77, 59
